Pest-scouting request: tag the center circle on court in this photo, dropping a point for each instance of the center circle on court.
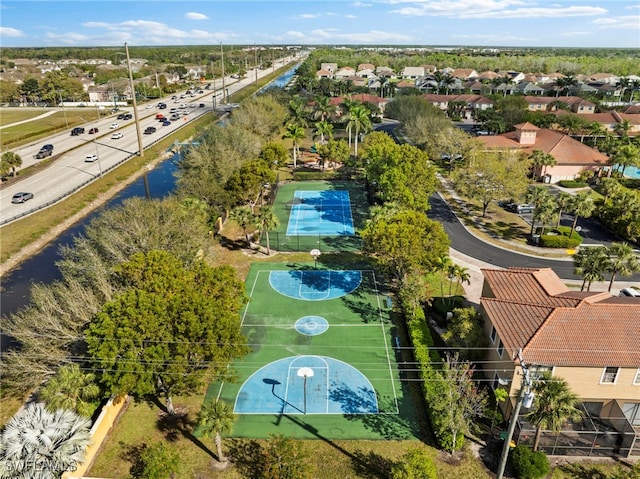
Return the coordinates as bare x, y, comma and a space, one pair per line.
311, 325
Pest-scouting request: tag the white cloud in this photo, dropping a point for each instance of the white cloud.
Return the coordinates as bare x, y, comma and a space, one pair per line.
330, 35
361, 4
195, 16
350, 16
628, 22
307, 16
11, 32
295, 34
493, 9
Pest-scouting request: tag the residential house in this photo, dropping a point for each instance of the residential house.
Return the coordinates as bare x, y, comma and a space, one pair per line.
589, 339
411, 73
344, 73
530, 88
488, 76
472, 102
324, 74
541, 103
385, 72
332, 67
513, 76
572, 157
366, 66
609, 78
366, 73
429, 69
381, 103
612, 120
464, 74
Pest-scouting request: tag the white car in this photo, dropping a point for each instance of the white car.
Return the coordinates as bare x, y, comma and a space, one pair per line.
117, 136
114, 126
91, 158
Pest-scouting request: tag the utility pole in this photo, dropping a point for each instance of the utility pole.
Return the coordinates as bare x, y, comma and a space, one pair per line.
135, 105
255, 60
224, 91
524, 399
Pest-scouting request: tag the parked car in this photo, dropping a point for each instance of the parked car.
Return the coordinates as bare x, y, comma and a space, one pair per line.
117, 136
90, 158
150, 129
114, 126
630, 292
21, 197
93, 131
521, 208
78, 130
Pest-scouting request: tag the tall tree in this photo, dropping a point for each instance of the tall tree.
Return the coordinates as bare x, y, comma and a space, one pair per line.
171, 328
590, 263
266, 220
38, 444
491, 177
12, 161
70, 389
414, 464
622, 260
554, 405
563, 201
541, 159
455, 400
582, 206
295, 133
283, 458
359, 120
216, 419
323, 128
243, 216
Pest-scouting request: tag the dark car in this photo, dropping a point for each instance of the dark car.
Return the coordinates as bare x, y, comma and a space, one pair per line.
21, 197
166, 123
127, 116
201, 105
120, 116
150, 129
162, 106
78, 130
93, 131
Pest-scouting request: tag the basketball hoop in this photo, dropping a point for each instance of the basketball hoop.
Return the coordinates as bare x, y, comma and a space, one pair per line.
315, 254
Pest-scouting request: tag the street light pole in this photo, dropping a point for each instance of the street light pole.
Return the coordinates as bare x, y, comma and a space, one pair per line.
135, 105
224, 92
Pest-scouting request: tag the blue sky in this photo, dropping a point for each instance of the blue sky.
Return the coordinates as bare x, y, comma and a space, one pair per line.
527, 23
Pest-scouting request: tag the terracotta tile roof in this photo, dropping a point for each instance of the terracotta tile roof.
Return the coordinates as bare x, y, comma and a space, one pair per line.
566, 150
533, 310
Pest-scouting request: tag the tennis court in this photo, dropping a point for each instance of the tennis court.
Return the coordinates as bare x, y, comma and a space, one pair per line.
322, 363
322, 215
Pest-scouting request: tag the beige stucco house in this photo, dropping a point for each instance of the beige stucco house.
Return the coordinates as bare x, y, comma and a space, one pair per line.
589, 339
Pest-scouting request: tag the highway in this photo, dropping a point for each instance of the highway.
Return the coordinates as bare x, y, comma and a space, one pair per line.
69, 171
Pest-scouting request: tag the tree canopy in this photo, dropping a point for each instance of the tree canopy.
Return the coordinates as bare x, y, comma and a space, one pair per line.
170, 328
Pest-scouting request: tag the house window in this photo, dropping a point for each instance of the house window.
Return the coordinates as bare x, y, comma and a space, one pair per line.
609, 375
500, 347
632, 412
637, 378
493, 334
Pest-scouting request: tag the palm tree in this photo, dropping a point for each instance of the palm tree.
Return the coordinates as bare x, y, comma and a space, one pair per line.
461, 275
540, 158
70, 389
622, 260
12, 160
563, 200
322, 108
554, 405
359, 120
266, 220
537, 196
243, 216
294, 132
297, 112
590, 263
216, 419
626, 155
323, 128
444, 265
546, 212
582, 206
40, 444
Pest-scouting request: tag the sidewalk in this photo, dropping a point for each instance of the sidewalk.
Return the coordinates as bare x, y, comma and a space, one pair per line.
44, 115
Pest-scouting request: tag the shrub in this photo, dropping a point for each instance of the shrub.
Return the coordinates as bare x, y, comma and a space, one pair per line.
572, 184
528, 464
415, 464
313, 175
559, 238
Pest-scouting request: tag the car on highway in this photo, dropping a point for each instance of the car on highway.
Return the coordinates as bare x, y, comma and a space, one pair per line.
93, 131
166, 123
46, 150
127, 116
120, 116
201, 105
150, 129
114, 126
117, 136
90, 158
78, 130
21, 197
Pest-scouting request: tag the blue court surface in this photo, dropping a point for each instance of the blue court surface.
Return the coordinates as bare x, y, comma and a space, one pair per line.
330, 387
315, 285
326, 212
